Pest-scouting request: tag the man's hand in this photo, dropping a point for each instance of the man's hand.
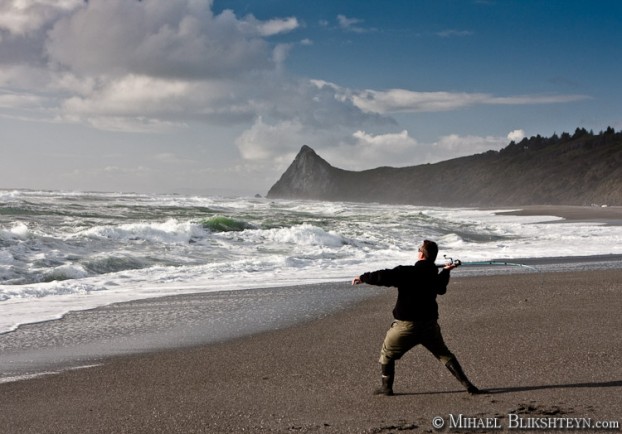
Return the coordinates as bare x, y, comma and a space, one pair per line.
357, 280
452, 264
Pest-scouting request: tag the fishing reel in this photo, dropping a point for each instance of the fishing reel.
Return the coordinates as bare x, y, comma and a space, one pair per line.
452, 261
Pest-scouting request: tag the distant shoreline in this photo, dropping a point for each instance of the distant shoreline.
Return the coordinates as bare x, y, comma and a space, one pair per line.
611, 215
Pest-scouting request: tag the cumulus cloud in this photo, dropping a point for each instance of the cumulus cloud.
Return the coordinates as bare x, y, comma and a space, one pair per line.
15, 100
516, 135
129, 95
394, 140
166, 39
276, 26
265, 141
366, 150
22, 17
128, 65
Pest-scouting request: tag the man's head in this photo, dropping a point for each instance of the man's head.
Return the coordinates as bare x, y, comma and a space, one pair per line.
429, 250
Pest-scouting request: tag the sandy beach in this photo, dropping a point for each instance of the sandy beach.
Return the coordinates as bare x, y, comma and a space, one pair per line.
544, 344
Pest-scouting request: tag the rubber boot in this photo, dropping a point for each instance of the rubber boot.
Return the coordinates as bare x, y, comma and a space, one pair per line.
388, 375
456, 370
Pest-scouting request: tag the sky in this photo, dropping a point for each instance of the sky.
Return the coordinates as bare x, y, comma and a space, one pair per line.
216, 97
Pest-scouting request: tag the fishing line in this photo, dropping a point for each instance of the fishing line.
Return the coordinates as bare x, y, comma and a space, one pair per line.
459, 263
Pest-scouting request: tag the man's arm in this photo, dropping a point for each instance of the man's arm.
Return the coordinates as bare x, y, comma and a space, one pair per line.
379, 278
443, 280
443, 276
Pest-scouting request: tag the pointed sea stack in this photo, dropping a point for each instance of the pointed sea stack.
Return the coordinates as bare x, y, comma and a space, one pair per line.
311, 177
308, 177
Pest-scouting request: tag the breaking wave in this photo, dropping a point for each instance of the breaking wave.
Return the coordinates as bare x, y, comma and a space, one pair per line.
225, 224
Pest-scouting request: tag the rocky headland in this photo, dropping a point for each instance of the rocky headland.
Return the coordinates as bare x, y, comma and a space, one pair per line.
579, 169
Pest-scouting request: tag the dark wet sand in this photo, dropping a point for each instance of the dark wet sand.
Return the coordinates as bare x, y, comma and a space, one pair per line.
547, 345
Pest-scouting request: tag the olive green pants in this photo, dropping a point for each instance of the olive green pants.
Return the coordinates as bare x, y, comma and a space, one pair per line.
404, 335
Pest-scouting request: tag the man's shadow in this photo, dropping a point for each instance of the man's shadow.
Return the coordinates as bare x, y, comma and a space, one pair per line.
500, 390
617, 383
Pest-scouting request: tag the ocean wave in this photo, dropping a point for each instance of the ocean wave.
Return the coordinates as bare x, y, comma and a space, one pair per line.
225, 224
54, 288
18, 230
450, 241
105, 264
64, 272
304, 234
169, 232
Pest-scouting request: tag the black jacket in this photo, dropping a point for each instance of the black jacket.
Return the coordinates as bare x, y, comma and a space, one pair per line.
417, 288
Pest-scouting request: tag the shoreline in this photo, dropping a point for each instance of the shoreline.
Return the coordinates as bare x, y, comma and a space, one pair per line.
92, 336
543, 343
610, 215
86, 337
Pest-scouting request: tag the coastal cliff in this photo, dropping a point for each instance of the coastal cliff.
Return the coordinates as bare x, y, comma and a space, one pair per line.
579, 169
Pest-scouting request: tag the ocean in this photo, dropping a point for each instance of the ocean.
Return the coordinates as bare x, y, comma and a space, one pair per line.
73, 251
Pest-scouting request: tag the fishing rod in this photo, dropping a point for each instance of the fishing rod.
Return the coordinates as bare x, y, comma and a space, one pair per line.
458, 262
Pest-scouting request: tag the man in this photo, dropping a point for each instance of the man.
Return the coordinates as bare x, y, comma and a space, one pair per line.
416, 314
